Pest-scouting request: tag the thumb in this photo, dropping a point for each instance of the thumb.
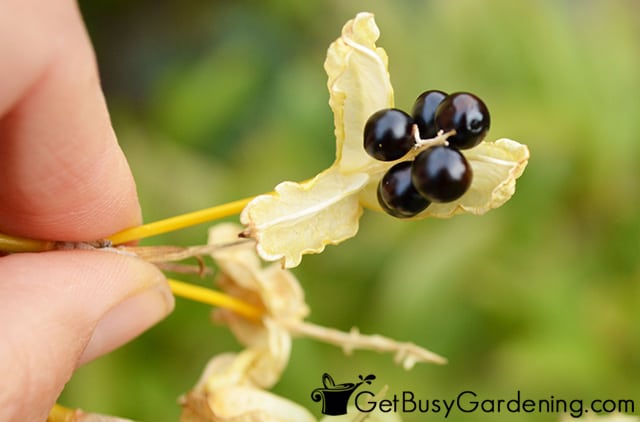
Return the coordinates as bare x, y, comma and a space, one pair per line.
61, 309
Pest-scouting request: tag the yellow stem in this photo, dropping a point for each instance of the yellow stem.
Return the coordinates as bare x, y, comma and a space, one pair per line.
22, 244
61, 414
215, 298
185, 290
179, 222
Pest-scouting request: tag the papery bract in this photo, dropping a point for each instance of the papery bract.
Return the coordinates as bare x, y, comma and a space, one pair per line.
232, 387
267, 287
359, 85
223, 395
303, 218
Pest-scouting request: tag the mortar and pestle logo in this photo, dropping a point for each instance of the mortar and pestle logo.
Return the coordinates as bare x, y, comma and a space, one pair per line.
336, 397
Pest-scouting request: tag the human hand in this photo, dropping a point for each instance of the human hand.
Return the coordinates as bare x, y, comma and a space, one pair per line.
63, 178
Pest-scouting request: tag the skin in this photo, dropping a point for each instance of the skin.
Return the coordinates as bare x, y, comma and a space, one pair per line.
63, 177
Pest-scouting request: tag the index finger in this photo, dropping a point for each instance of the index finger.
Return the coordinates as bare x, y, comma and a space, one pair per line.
63, 175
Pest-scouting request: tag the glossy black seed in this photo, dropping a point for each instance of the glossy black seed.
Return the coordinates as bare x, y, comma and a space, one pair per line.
424, 111
468, 115
441, 174
397, 195
387, 134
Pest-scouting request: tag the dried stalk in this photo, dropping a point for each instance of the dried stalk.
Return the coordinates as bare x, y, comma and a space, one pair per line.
406, 354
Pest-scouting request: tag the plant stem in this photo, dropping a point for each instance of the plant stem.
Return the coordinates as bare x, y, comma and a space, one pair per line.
406, 354
61, 414
64, 414
22, 244
216, 298
179, 222
14, 244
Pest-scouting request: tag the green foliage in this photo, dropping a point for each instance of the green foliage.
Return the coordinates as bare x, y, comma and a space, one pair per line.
215, 101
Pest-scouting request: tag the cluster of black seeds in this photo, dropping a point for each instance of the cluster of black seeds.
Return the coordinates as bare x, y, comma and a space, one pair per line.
440, 173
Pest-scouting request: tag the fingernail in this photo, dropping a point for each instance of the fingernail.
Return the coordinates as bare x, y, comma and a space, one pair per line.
128, 319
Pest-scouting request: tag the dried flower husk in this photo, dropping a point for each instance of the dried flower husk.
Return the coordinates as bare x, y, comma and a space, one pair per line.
301, 218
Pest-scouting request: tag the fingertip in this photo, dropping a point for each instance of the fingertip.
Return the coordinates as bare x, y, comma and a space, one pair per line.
64, 308
69, 179
128, 319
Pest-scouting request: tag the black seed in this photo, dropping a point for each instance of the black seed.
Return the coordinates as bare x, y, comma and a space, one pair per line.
441, 174
468, 115
397, 195
424, 111
387, 134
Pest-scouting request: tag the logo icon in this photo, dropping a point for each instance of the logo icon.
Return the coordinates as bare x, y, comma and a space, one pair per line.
335, 397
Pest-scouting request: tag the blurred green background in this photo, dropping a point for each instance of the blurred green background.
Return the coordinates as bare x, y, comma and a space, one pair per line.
218, 100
